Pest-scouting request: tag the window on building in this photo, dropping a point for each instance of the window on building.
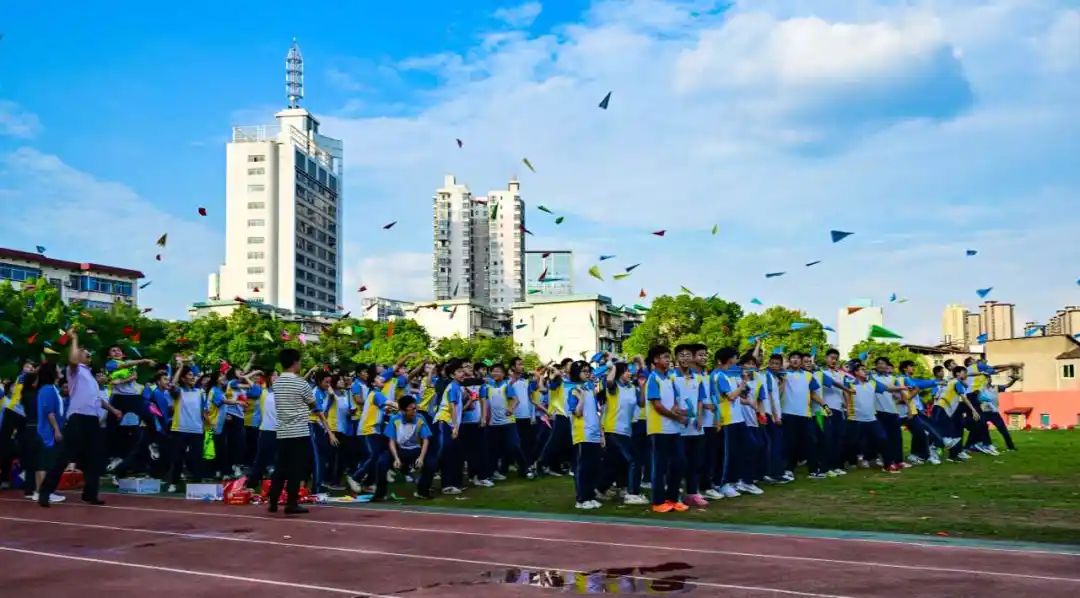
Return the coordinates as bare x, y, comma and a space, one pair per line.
256, 188
1044, 420
18, 273
1068, 371
256, 158
256, 240
255, 285
312, 169
256, 270
101, 285
255, 171
256, 205
256, 222
333, 182
300, 158
256, 255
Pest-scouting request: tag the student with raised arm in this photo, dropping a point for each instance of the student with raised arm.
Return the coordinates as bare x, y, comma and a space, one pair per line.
190, 419
948, 415
621, 405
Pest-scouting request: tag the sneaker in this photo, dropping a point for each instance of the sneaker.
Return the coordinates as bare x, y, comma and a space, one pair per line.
663, 508
32, 497
697, 500
155, 451
601, 495
864, 464
831, 473
951, 442
894, 468
609, 493
57, 498
409, 479
451, 490
992, 450
483, 483
635, 499
749, 489
116, 461
583, 505
680, 507
237, 471
934, 460
712, 494
391, 477
915, 460
789, 474
729, 491
840, 472
903, 465
421, 496
768, 480
879, 462
354, 486
964, 456
646, 485
551, 472
817, 475
595, 504
498, 477
530, 475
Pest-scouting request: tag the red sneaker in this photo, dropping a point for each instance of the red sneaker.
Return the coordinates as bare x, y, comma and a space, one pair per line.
663, 508
680, 507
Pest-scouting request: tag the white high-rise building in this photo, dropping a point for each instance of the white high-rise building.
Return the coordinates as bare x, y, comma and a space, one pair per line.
853, 324
283, 210
478, 252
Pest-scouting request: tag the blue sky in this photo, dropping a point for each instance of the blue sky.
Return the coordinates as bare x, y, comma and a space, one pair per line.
925, 127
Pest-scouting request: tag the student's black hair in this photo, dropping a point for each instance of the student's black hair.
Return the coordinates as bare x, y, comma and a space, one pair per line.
478, 365
655, 352
288, 358
969, 360
514, 361
213, 378
565, 361
695, 347
950, 367
576, 370
959, 369
832, 352
747, 358
723, 354
795, 354
452, 366
684, 347
46, 374
161, 373
777, 357
404, 402
938, 368
884, 360
320, 376
497, 365
230, 374
906, 364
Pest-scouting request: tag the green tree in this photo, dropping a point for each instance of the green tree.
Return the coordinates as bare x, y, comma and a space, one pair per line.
895, 352
775, 322
494, 349
685, 319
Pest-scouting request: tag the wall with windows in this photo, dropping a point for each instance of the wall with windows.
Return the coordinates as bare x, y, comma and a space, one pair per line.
1040, 409
1044, 366
93, 288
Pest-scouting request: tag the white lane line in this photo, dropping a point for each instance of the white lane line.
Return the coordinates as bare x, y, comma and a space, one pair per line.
399, 555
709, 551
286, 584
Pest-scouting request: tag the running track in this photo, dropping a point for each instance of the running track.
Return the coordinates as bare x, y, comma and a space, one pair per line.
164, 547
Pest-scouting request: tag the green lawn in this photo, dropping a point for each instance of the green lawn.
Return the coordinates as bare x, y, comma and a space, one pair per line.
1032, 494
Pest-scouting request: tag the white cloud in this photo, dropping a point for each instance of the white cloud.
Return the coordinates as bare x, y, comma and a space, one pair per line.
522, 15
1060, 46
83, 219
397, 275
17, 122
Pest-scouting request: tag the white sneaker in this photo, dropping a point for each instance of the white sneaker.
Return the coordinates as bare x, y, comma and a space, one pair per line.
483, 483
498, 477
595, 504
237, 471
752, 489
712, 494
831, 473
635, 499
171, 488
155, 451
991, 449
451, 490
32, 497
646, 485
113, 464
915, 460
391, 477
609, 493
840, 471
583, 505
879, 462
551, 472
57, 498
964, 456
934, 459
789, 474
729, 491
950, 442
768, 480
354, 486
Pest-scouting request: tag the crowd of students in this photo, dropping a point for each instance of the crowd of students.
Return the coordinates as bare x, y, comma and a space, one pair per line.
684, 427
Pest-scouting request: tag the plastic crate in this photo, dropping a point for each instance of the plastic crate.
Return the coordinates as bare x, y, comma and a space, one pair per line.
205, 492
71, 480
139, 485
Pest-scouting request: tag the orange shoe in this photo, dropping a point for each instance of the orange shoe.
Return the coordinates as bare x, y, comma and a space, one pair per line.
680, 507
663, 508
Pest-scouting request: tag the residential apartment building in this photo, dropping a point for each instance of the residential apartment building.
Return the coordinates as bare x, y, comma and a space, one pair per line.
283, 210
557, 270
1065, 321
465, 318
382, 309
94, 286
478, 249
568, 326
996, 320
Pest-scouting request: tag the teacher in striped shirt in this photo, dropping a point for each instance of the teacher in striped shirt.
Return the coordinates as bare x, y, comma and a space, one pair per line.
294, 403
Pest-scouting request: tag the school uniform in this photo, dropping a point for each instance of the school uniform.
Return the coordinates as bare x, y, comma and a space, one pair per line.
776, 455
923, 432
558, 450
587, 435
690, 394
370, 431
472, 435
266, 450
947, 415
339, 420
251, 417
798, 425
13, 434
888, 413
189, 410
870, 436
524, 418
757, 446
409, 436
48, 450
504, 442
82, 437
447, 419
621, 459
832, 381
665, 438
738, 445
988, 410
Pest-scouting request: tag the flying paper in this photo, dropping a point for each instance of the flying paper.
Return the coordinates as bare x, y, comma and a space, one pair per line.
606, 257
545, 254
202, 211
362, 289
981, 339
621, 275
640, 307
543, 275
494, 210
534, 291
33, 337
6, 339
774, 274
145, 284
158, 257
162, 240
882, 332
459, 143
520, 326
799, 325
982, 293
904, 300
631, 269
687, 291
560, 219
839, 235
659, 233
642, 294
604, 102
528, 164
592, 322
828, 328
390, 330
547, 329
389, 226
892, 298
852, 310
266, 335
49, 351
525, 230
544, 209
715, 228
778, 350
971, 252
813, 263
864, 355
756, 301
594, 271
40, 249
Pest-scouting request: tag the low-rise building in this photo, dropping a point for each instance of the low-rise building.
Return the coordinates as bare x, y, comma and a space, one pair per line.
382, 309
466, 318
94, 286
1048, 392
568, 326
311, 323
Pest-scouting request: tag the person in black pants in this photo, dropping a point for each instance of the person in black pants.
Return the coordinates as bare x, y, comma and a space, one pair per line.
83, 434
294, 403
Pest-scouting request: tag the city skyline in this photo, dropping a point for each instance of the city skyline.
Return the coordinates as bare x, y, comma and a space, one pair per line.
920, 177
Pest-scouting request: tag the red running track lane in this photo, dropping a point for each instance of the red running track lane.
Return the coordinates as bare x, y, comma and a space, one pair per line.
190, 548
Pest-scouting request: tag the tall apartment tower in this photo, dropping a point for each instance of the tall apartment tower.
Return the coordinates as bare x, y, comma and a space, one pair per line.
478, 250
954, 325
283, 209
996, 320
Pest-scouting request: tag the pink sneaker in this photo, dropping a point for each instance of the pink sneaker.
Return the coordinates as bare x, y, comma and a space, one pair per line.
697, 500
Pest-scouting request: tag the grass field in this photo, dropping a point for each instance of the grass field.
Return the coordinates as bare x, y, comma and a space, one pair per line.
1032, 494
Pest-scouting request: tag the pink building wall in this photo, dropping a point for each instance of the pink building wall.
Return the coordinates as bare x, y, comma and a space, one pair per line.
1063, 407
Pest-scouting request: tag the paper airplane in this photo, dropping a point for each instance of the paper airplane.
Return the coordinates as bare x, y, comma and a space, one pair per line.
839, 235
604, 102
882, 332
